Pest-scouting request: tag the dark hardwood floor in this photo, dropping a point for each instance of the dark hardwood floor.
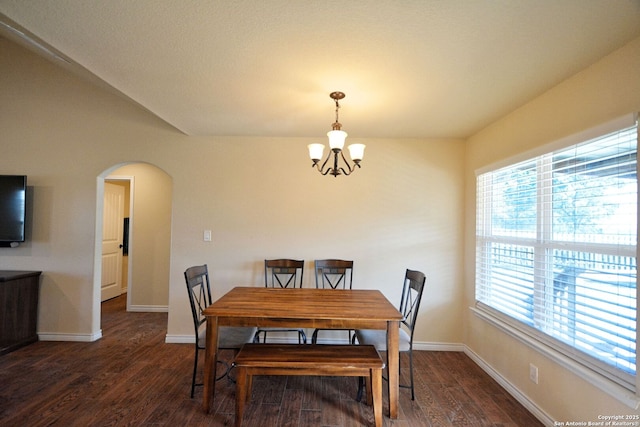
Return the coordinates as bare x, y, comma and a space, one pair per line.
130, 377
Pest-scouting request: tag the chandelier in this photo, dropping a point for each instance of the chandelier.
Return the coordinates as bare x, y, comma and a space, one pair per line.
336, 144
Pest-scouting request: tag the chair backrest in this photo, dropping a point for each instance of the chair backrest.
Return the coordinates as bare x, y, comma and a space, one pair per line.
197, 279
333, 274
283, 273
411, 296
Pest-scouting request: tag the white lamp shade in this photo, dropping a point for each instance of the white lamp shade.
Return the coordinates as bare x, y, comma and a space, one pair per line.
356, 151
315, 151
336, 139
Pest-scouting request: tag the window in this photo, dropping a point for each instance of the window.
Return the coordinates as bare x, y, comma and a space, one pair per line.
556, 250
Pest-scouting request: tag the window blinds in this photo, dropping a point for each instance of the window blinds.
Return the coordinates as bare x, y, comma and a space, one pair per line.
556, 249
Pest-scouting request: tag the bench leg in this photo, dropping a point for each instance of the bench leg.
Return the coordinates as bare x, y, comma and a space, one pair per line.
249, 387
241, 394
367, 388
376, 390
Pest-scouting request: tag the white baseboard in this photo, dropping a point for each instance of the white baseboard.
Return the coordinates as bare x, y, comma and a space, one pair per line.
54, 336
180, 339
148, 308
537, 412
438, 346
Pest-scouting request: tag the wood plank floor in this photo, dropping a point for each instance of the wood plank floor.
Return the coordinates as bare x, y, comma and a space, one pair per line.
131, 377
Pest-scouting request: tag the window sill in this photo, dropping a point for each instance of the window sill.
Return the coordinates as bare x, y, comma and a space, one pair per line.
601, 382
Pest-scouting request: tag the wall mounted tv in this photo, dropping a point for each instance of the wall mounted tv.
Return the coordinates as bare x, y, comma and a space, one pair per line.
13, 209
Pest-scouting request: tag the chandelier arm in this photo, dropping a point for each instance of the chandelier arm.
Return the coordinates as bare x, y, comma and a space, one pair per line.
346, 162
321, 168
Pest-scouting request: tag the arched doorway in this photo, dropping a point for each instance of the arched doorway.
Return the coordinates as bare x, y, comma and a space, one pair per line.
150, 236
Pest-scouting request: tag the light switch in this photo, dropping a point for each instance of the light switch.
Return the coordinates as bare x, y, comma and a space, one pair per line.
206, 236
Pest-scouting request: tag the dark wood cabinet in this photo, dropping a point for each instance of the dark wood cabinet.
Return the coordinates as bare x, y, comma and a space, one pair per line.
18, 308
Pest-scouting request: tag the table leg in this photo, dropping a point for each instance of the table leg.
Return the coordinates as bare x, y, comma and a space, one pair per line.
393, 363
210, 363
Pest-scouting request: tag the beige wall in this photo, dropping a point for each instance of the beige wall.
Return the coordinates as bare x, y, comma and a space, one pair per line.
259, 196
261, 199
604, 91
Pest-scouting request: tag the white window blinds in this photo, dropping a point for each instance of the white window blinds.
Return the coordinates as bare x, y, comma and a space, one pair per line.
556, 250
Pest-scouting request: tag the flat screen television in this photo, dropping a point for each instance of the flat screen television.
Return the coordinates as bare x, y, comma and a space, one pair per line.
13, 208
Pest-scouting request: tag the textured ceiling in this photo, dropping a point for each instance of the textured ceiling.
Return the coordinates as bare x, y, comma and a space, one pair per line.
412, 68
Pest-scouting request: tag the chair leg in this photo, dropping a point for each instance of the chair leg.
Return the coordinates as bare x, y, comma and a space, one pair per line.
413, 395
227, 368
314, 337
256, 337
411, 385
302, 335
195, 367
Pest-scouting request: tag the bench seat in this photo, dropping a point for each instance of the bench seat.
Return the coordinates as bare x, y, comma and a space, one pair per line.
316, 359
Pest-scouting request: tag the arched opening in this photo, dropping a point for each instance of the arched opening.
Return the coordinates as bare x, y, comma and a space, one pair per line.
148, 259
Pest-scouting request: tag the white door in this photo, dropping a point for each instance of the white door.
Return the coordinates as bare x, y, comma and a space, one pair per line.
113, 218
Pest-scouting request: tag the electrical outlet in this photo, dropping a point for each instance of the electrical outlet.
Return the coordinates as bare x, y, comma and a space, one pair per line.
533, 373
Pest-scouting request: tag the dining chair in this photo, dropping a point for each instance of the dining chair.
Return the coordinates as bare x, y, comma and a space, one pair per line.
332, 274
229, 338
409, 305
282, 274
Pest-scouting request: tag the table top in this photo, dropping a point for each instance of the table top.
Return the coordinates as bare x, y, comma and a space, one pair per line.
304, 303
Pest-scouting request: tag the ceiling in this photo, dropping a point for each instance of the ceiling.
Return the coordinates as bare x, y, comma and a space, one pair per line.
409, 68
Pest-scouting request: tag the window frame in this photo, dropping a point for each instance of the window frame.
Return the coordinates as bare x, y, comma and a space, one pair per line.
596, 372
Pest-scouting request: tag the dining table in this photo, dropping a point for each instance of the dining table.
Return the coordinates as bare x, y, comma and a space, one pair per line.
304, 308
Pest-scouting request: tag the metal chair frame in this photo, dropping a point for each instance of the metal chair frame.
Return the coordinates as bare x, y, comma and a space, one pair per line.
332, 274
282, 273
199, 290
412, 291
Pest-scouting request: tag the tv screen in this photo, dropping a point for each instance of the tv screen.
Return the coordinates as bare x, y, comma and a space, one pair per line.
13, 199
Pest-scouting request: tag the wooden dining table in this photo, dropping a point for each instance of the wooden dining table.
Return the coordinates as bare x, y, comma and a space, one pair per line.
304, 308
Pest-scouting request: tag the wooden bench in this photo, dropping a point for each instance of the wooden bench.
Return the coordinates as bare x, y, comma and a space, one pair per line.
303, 359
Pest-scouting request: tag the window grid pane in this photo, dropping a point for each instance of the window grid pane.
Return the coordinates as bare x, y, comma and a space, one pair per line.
594, 305
510, 270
